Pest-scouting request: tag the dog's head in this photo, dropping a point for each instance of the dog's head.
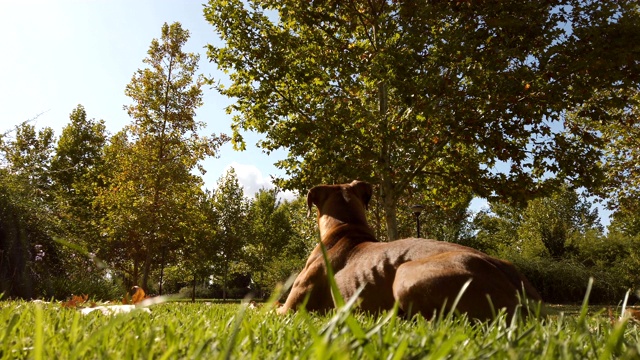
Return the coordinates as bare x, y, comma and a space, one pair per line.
345, 203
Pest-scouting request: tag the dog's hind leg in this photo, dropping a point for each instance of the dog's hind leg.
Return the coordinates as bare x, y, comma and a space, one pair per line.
429, 285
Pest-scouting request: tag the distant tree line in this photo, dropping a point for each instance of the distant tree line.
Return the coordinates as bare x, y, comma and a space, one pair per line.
55, 241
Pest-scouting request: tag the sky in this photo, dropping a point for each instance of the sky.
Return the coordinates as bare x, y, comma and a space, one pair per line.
56, 54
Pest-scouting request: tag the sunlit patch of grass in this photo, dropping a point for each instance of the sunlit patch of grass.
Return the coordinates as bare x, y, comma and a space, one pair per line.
234, 331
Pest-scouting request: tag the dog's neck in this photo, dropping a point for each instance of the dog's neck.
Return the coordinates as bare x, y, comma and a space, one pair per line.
331, 229
332, 234
326, 223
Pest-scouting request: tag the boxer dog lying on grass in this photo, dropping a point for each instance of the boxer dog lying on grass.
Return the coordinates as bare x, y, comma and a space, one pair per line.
423, 276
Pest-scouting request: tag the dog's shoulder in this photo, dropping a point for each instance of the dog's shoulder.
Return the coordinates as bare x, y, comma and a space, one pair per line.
316, 255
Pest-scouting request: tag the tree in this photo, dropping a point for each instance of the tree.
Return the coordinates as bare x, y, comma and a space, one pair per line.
28, 255
549, 226
152, 187
552, 225
78, 150
198, 253
271, 231
231, 226
444, 220
626, 222
424, 95
75, 170
121, 244
28, 155
621, 148
497, 228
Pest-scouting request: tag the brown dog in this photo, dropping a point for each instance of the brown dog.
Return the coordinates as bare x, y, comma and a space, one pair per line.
424, 276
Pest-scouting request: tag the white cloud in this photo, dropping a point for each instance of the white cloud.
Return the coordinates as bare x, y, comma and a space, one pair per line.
477, 204
287, 195
250, 177
252, 180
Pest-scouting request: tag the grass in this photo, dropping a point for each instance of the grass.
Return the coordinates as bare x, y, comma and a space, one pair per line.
233, 331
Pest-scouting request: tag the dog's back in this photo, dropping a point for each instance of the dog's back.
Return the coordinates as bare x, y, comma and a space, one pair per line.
408, 270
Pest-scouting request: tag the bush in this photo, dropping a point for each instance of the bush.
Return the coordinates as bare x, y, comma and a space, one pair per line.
237, 288
566, 281
61, 288
202, 292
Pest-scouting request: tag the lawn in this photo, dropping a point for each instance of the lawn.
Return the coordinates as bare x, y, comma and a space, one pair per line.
178, 330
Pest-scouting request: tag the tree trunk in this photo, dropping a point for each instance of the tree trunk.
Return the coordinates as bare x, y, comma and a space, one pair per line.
224, 282
136, 273
387, 189
145, 272
378, 220
389, 205
193, 294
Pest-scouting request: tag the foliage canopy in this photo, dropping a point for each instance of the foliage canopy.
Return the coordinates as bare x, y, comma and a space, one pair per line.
448, 97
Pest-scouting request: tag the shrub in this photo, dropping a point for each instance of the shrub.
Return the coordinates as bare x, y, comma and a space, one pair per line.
98, 288
202, 292
566, 281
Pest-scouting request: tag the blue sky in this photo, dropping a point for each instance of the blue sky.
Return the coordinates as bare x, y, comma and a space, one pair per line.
57, 54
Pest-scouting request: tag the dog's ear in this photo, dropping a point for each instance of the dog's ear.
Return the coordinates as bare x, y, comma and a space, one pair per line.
311, 199
364, 190
315, 196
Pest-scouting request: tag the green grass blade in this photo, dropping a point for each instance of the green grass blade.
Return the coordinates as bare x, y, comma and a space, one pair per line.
624, 303
400, 350
93, 339
6, 342
585, 303
613, 346
99, 263
212, 331
338, 300
38, 341
458, 297
447, 346
234, 331
341, 315
169, 353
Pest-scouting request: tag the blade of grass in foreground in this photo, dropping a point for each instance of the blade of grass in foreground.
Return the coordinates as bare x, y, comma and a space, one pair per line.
184, 330
613, 346
38, 345
582, 320
6, 342
585, 303
234, 331
400, 350
624, 304
344, 310
338, 300
115, 321
458, 297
